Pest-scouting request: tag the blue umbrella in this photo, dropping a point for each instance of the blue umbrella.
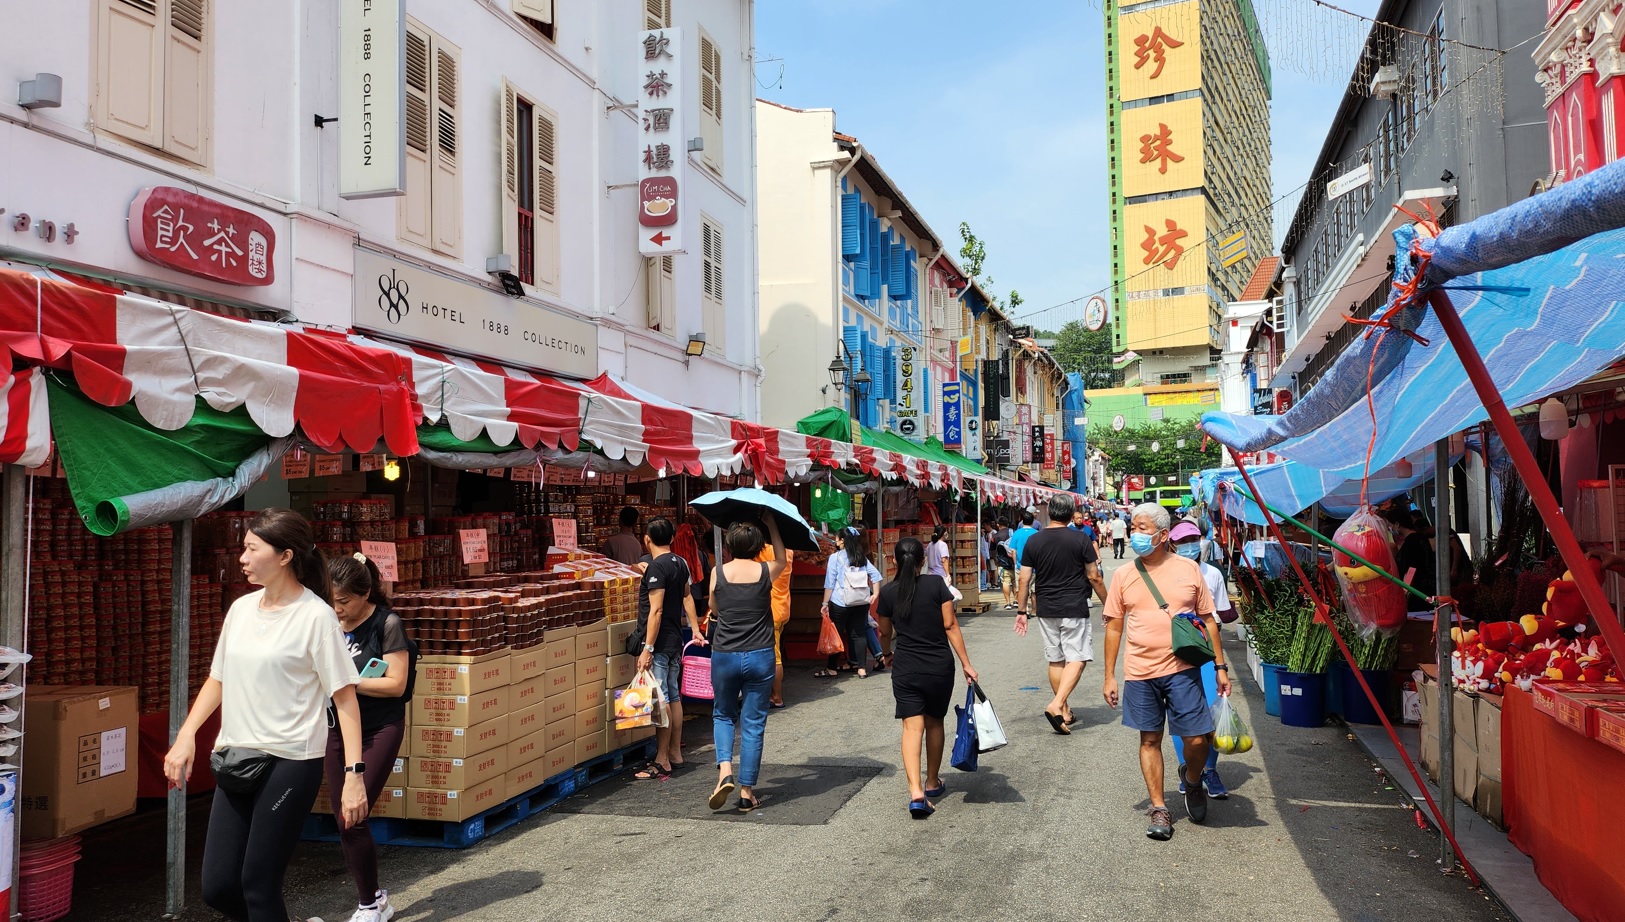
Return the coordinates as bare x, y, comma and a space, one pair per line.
748, 504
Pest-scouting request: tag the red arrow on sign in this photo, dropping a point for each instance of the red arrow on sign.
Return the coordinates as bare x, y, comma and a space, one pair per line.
660, 239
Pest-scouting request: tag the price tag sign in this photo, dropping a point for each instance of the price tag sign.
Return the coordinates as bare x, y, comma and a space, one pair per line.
329, 465
497, 472
564, 533
295, 466
382, 554
475, 549
372, 462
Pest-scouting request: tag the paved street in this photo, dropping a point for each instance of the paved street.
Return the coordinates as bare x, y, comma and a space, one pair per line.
1050, 828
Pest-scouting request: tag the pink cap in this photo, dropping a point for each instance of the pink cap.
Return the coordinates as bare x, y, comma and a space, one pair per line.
1184, 530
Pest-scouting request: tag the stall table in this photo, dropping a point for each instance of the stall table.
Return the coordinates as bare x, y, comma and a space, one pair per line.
1559, 809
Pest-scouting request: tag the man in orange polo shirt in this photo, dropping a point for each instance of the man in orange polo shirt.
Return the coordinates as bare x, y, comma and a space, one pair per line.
1158, 686
781, 617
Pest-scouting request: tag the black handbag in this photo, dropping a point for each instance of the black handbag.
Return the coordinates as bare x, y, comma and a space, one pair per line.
239, 770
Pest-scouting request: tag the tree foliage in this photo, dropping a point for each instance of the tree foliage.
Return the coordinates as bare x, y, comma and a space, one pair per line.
973, 253
1130, 451
1089, 353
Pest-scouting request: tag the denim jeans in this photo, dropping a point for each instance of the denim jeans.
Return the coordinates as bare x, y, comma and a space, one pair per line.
736, 675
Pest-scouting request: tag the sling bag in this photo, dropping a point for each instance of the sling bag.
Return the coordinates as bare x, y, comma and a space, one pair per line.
1191, 642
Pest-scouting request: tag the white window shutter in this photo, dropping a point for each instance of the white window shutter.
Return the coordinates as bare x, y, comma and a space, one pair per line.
508, 183
712, 285
188, 82
130, 69
539, 10
546, 207
446, 212
660, 294
412, 213
711, 103
656, 14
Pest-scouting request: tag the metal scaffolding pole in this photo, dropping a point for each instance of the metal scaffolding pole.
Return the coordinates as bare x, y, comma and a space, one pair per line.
1442, 619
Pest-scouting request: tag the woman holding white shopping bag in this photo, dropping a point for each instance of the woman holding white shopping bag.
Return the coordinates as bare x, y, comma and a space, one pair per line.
918, 612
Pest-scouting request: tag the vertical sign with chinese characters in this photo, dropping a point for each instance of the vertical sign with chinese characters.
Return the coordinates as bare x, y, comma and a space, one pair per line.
1049, 447
907, 416
1038, 441
372, 100
662, 143
1066, 459
952, 420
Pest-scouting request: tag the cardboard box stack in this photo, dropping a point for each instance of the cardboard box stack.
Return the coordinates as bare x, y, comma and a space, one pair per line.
1475, 747
79, 765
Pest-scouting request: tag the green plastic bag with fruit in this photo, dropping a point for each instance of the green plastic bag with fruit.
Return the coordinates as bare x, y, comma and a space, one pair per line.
1229, 733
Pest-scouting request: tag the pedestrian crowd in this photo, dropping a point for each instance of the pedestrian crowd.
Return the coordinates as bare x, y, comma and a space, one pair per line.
312, 672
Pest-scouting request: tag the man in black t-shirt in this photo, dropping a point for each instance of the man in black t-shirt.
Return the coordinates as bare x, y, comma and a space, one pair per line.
1060, 565
663, 602
999, 548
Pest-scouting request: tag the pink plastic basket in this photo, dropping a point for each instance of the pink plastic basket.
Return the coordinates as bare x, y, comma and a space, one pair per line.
696, 675
45, 888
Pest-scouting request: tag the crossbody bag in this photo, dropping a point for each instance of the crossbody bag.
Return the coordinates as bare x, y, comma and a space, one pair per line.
1191, 642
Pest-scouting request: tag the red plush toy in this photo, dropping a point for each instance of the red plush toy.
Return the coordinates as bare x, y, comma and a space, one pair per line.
1373, 603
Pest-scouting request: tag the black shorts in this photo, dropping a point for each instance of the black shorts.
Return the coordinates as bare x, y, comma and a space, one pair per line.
920, 694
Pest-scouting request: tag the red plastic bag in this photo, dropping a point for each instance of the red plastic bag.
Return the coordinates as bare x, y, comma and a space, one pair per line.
829, 639
1374, 603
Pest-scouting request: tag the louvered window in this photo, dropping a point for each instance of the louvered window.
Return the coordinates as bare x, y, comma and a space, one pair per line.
656, 14
711, 105
713, 284
430, 214
538, 13
154, 74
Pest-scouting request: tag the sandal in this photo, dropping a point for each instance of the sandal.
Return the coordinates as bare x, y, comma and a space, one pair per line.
938, 791
747, 804
920, 809
719, 797
653, 772
824, 674
1057, 724
863, 674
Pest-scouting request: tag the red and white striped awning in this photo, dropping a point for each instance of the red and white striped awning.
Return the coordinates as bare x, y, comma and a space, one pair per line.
347, 390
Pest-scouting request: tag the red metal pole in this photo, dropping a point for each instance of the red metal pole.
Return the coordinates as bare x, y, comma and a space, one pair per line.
1323, 614
1533, 479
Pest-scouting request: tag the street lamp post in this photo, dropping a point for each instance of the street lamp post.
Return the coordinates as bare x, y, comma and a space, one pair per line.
856, 385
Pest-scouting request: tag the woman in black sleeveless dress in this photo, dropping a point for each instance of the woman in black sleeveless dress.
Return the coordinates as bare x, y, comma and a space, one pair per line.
921, 612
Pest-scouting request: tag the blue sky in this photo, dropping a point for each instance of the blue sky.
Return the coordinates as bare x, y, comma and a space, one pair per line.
998, 120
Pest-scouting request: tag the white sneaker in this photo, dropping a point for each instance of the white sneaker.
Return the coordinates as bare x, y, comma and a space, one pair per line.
380, 911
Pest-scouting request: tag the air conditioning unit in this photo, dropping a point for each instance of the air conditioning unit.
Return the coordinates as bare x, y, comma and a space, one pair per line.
1385, 83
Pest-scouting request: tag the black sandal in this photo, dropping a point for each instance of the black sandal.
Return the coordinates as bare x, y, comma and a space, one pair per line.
747, 804
719, 797
653, 772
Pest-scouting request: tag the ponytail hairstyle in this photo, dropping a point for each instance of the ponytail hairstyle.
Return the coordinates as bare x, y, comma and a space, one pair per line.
938, 532
287, 530
909, 555
357, 576
857, 551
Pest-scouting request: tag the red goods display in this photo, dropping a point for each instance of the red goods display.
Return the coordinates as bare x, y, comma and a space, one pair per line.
1373, 603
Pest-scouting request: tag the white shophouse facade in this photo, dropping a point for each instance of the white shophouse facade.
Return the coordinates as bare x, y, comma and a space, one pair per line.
220, 100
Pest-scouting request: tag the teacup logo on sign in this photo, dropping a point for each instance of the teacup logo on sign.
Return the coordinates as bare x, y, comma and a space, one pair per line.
393, 299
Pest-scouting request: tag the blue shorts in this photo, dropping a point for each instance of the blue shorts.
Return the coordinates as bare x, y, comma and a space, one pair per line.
1177, 699
668, 673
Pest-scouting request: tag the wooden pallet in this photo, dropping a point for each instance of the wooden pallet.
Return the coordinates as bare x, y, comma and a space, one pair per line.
433, 834
968, 607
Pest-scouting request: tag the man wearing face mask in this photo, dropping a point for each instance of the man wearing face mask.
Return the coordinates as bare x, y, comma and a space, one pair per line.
1160, 688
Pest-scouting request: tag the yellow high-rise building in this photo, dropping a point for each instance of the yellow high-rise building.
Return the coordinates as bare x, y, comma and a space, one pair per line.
1189, 88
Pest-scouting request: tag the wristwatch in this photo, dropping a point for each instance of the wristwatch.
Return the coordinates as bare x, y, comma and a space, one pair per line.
648, 648
356, 769
1224, 666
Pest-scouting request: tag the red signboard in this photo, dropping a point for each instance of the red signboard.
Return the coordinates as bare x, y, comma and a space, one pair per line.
1134, 483
657, 201
1283, 401
1066, 457
1049, 448
200, 236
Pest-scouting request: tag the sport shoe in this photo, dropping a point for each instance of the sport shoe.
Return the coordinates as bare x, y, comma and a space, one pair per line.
1162, 824
1215, 787
380, 911
1196, 802
1182, 778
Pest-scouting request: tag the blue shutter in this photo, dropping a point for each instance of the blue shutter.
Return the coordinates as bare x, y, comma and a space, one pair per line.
891, 373
852, 337
875, 249
912, 280
851, 230
897, 271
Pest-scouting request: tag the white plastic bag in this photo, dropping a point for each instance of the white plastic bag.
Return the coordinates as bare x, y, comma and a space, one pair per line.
989, 732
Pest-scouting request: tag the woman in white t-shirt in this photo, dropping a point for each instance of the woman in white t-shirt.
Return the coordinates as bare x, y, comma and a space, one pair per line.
280, 657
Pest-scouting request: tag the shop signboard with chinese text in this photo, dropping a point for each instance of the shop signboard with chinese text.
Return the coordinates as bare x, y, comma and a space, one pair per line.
1049, 447
1159, 51
1038, 452
189, 233
908, 417
952, 419
372, 101
1066, 458
662, 142
1164, 147
399, 300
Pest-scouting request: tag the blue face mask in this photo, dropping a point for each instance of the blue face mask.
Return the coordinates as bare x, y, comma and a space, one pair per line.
1188, 551
1141, 543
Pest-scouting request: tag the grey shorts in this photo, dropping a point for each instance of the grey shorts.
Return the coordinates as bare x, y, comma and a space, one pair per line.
1067, 640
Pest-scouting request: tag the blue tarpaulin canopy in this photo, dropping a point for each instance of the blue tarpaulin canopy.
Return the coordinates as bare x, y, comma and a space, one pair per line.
1292, 487
1543, 302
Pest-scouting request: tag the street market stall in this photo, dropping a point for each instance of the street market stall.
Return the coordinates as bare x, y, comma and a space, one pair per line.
1532, 303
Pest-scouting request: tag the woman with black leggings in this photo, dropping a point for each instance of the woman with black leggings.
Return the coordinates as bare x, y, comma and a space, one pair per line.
850, 584
373, 631
279, 659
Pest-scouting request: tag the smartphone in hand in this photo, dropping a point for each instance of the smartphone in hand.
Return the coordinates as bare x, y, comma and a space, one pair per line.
375, 669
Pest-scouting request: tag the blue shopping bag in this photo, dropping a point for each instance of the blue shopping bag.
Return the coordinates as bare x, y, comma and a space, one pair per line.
965, 749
